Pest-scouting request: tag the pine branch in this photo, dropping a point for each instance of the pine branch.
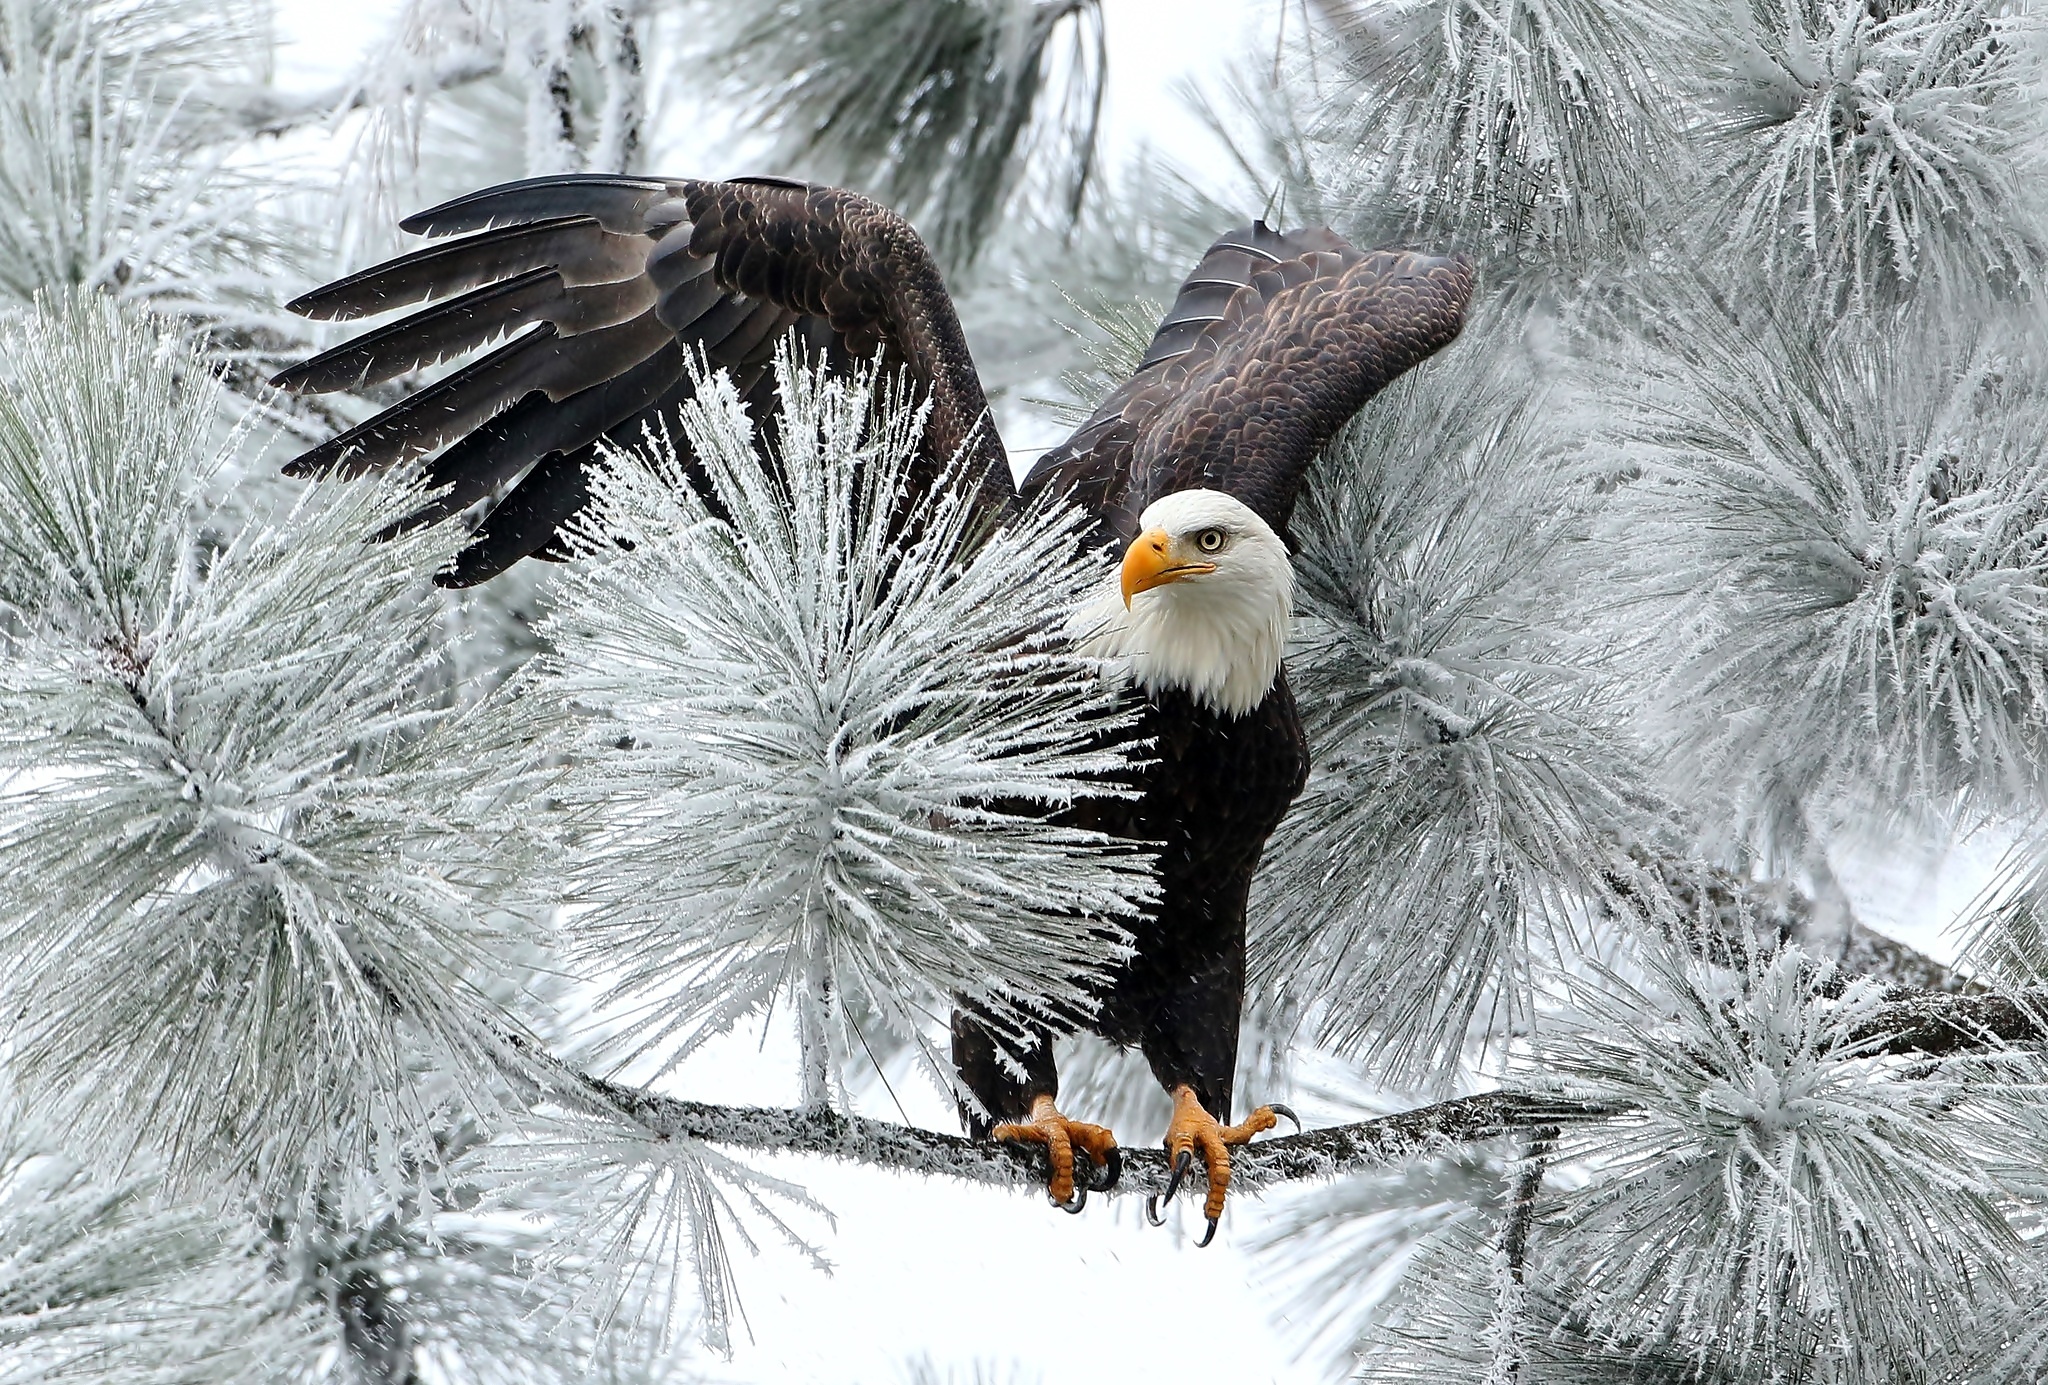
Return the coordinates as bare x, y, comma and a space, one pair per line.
267, 111
1913, 1023
1312, 1154
1938, 1025
1511, 1251
1738, 913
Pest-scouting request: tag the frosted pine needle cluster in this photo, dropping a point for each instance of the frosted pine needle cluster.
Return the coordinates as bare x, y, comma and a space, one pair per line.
100, 1280
936, 106
827, 720
1530, 128
245, 886
1863, 149
1784, 1188
116, 168
1840, 544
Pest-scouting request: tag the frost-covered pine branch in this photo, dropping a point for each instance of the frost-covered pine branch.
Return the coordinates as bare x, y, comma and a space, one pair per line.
116, 172
1858, 151
1472, 778
265, 928
247, 883
1783, 1190
464, 92
1838, 547
1545, 130
822, 727
1722, 914
101, 1280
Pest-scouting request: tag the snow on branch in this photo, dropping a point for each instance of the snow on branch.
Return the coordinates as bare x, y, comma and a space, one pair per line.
1325, 1153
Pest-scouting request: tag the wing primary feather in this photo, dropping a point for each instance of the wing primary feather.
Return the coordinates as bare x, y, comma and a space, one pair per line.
576, 247
534, 427
620, 201
528, 521
421, 422
447, 329
609, 282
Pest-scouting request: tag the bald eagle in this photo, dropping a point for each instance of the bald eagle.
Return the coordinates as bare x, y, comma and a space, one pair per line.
606, 284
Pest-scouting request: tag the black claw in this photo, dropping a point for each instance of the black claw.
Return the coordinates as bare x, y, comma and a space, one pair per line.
1207, 1236
1079, 1200
1103, 1177
1180, 1171
1287, 1111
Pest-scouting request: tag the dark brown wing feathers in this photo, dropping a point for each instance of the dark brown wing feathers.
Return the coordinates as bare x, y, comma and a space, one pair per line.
603, 285
1274, 342
621, 202
577, 248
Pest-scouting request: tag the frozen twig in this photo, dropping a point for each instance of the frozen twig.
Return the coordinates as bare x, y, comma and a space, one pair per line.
1511, 1251
267, 111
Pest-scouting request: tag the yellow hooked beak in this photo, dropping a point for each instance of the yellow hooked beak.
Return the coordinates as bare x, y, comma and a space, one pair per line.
1152, 561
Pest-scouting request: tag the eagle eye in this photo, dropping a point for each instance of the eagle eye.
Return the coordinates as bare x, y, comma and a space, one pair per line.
1210, 540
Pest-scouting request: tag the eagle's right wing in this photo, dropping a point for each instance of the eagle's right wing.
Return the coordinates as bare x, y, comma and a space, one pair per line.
600, 287
1273, 343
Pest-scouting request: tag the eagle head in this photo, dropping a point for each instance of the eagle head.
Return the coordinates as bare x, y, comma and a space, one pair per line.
1201, 604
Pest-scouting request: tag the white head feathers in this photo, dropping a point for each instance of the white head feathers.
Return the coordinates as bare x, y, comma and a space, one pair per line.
1202, 603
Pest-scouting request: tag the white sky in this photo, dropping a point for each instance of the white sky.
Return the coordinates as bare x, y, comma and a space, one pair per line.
962, 1275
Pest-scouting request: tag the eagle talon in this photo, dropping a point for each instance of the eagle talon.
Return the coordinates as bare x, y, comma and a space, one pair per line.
1285, 1113
1194, 1131
1063, 1140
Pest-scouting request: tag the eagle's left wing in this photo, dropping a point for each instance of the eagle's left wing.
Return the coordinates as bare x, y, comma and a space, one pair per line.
1273, 343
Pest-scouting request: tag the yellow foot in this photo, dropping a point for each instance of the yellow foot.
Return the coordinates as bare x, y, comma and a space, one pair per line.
1194, 1131
1061, 1137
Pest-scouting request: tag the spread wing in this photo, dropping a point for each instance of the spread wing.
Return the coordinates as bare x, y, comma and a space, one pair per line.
1273, 343
576, 302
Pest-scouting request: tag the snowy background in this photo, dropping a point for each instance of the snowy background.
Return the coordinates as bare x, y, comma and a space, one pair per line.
1715, 540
